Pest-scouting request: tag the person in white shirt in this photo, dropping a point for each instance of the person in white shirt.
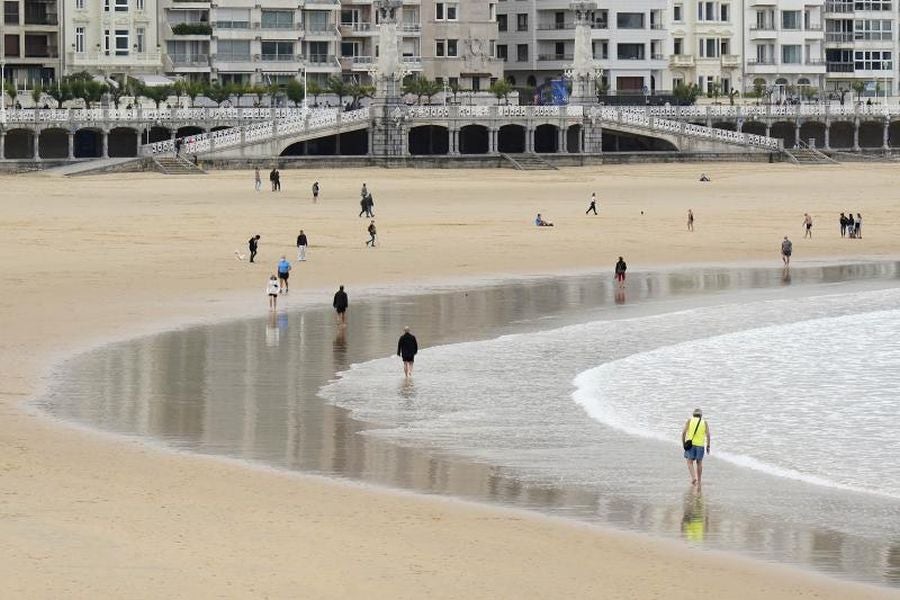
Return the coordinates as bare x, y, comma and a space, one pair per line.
272, 289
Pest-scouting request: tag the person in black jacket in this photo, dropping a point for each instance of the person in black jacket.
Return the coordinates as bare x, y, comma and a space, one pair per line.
340, 304
254, 245
407, 348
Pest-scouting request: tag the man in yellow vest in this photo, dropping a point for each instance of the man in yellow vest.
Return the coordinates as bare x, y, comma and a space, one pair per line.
695, 436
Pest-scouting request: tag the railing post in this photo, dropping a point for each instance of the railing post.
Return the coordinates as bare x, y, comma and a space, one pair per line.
71, 136
2, 145
36, 141
105, 135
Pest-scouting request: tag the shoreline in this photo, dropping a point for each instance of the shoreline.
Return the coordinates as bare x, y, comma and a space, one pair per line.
435, 287
86, 518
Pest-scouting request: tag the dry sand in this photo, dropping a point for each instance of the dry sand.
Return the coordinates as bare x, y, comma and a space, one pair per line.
89, 259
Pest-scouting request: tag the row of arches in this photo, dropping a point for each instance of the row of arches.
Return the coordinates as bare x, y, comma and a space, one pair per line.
840, 133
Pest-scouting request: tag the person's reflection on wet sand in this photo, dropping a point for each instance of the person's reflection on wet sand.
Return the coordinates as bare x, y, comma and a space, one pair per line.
620, 296
339, 349
408, 392
273, 336
695, 520
786, 275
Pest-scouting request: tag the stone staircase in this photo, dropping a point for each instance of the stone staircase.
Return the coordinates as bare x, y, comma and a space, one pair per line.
804, 155
171, 165
528, 162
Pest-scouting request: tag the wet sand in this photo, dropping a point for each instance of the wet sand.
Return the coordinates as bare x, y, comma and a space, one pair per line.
98, 259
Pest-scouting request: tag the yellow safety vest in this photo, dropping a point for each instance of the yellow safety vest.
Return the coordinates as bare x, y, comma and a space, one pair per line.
699, 437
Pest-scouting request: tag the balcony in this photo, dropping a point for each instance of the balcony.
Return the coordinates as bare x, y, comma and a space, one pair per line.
557, 57
555, 26
280, 58
839, 7
321, 30
200, 29
322, 4
410, 28
136, 59
681, 61
839, 37
731, 61
761, 61
358, 28
839, 67
189, 61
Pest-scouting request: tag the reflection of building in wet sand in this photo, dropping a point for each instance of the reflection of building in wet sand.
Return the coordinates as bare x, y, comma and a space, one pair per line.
228, 390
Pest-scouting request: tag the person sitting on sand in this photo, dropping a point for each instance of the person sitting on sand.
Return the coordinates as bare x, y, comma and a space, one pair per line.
703, 177
540, 222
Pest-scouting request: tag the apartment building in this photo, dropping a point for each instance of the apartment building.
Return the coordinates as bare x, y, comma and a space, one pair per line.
706, 45
861, 45
784, 44
111, 37
537, 37
30, 32
358, 30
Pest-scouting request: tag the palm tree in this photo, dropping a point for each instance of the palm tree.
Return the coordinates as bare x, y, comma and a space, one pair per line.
501, 89
295, 92
339, 88
217, 93
314, 89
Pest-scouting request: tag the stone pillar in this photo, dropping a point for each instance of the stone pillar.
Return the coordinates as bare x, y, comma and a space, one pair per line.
768, 128
492, 140
71, 136
404, 140
797, 133
562, 139
2, 145
828, 135
886, 140
36, 140
105, 144
529, 139
856, 135
453, 149
370, 133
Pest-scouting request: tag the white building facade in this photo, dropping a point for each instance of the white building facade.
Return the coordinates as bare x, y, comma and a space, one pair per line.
861, 45
706, 45
111, 37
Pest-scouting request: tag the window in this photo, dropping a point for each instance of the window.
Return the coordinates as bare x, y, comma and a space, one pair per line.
440, 47
706, 11
790, 54
277, 19
872, 5
492, 12
790, 19
349, 48
11, 45
522, 52
724, 47
445, 11
476, 84
79, 40
452, 47
872, 29
139, 4
630, 51
11, 13
121, 5
232, 18
121, 42
678, 13
317, 20
501, 22
678, 46
630, 20
601, 49
872, 60
140, 37
709, 47
79, 4
277, 51
106, 41
233, 50
106, 5
502, 52
522, 22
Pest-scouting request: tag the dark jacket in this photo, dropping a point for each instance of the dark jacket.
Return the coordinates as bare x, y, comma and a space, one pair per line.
621, 267
254, 244
407, 347
301, 240
340, 301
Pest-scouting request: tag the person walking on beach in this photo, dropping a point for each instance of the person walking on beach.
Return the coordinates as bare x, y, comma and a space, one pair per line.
696, 439
272, 179
372, 232
257, 180
277, 180
857, 228
363, 192
253, 244
690, 221
807, 226
272, 289
407, 348
621, 267
593, 205
787, 248
302, 244
843, 224
362, 207
315, 191
340, 304
284, 272
370, 205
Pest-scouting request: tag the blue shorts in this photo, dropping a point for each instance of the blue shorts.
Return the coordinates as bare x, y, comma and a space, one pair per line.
695, 453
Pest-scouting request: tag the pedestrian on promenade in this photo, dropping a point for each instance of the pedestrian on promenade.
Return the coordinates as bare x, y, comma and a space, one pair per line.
284, 272
302, 243
787, 248
253, 244
372, 231
272, 290
340, 304
621, 267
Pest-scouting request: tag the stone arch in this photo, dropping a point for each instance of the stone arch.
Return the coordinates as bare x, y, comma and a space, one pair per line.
894, 134
546, 138
158, 133
54, 143
511, 139
786, 131
813, 130
323, 146
573, 139
754, 127
19, 143
615, 141
841, 134
88, 143
123, 142
725, 125
221, 127
474, 139
187, 130
354, 143
871, 134
429, 140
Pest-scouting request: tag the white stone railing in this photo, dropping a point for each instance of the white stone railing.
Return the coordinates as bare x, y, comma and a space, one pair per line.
748, 111
82, 115
292, 124
655, 124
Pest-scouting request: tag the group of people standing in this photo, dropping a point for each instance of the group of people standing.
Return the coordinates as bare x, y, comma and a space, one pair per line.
851, 227
274, 180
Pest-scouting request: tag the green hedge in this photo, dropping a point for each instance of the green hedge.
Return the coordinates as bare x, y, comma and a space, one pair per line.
192, 29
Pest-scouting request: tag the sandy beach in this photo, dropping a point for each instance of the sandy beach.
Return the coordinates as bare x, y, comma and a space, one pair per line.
93, 259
